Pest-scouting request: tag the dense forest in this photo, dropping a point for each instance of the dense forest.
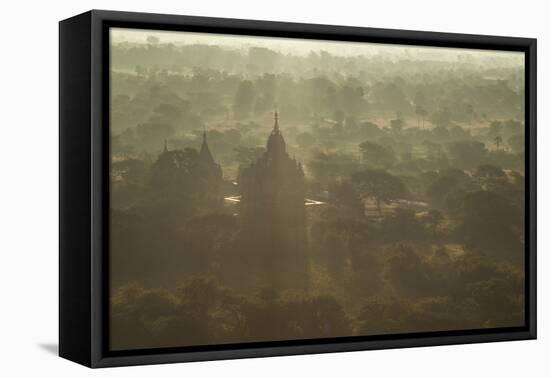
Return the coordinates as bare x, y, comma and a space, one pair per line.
404, 211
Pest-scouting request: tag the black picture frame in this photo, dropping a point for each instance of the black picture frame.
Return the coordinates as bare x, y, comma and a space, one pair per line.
84, 187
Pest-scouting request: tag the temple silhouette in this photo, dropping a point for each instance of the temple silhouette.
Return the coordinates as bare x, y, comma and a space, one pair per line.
271, 246
188, 173
272, 211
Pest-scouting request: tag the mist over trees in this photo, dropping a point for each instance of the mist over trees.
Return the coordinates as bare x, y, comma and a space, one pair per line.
403, 180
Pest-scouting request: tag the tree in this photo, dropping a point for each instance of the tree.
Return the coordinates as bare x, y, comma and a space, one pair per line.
487, 171
498, 141
370, 130
248, 155
445, 184
442, 118
491, 223
517, 143
244, 99
408, 273
402, 225
345, 195
305, 139
390, 97
351, 124
421, 113
351, 99
511, 127
433, 219
377, 155
468, 153
495, 128
151, 39
397, 125
263, 57
150, 135
328, 167
140, 70
380, 185
432, 150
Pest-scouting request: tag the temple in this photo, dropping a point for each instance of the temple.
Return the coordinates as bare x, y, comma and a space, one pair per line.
205, 156
210, 175
273, 212
275, 180
188, 173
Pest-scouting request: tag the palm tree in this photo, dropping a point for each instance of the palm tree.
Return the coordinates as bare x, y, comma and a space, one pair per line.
421, 113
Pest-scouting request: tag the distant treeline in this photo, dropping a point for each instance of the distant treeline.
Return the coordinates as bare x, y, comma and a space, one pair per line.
209, 83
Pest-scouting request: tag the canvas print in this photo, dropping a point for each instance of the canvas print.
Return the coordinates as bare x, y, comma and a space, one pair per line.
272, 189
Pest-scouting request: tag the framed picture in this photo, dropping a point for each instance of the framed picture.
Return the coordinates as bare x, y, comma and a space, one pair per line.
235, 188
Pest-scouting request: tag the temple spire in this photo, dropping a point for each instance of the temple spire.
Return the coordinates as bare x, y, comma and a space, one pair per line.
165, 145
276, 125
276, 146
205, 153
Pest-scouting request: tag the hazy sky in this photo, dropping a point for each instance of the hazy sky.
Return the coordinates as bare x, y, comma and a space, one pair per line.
304, 47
